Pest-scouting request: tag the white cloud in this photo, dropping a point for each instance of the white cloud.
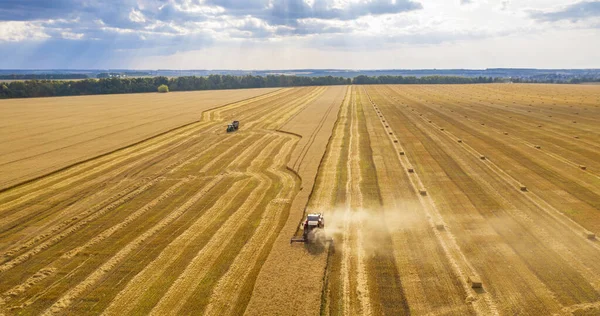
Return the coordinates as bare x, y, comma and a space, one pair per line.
16, 31
136, 16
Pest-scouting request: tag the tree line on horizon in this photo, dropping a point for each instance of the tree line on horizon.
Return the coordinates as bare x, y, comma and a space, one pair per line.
49, 88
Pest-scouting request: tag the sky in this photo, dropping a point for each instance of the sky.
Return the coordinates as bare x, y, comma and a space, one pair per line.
299, 34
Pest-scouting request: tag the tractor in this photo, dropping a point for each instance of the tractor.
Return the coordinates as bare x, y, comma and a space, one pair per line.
234, 126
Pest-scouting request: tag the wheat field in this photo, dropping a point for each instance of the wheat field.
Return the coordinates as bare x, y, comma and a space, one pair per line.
441, 200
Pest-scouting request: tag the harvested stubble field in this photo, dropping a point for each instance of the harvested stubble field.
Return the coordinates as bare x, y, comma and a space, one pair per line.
197, 221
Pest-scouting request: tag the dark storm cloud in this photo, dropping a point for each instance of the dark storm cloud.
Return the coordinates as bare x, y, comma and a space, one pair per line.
574, 12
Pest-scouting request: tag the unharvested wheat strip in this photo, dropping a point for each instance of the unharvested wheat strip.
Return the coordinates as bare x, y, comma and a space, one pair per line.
183, 287
216, 113
52, 268
314, 133
252, 107
323, 196
227, 291
265, 115
447, 241
288, 118
275, 111
293, 110
129, 297
96, 211
65, 301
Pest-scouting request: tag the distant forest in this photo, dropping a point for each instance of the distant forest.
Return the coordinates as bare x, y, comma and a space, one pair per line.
49, 88
43, 76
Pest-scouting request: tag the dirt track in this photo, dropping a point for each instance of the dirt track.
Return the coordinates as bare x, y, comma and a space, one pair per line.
422, 187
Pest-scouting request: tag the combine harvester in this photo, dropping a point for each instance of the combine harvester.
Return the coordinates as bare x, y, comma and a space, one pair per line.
313, 231
234, 126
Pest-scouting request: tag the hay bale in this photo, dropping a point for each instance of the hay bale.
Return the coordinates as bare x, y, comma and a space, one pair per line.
523, 188
576, 137
505, 133
429, 121
440, 226
537, 147
482, 123
460, 140
383, 121
590, 235
539, 125
482, 157
574, 121
395, 140
441, 129
582, 167
387, 126
391, 133
402, 153
423, 192
411, 170
475, 282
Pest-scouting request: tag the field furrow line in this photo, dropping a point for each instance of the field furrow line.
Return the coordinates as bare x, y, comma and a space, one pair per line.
462, 267
53, 267
129, 152
183, 287
95, 213
556, 243
312, 137
515, 184
67, 299
272, 116
293, 109
215, 114
149, 275
128, 298
80, 220
101, 168
323, 196
526, 143
226, 292
353, 257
